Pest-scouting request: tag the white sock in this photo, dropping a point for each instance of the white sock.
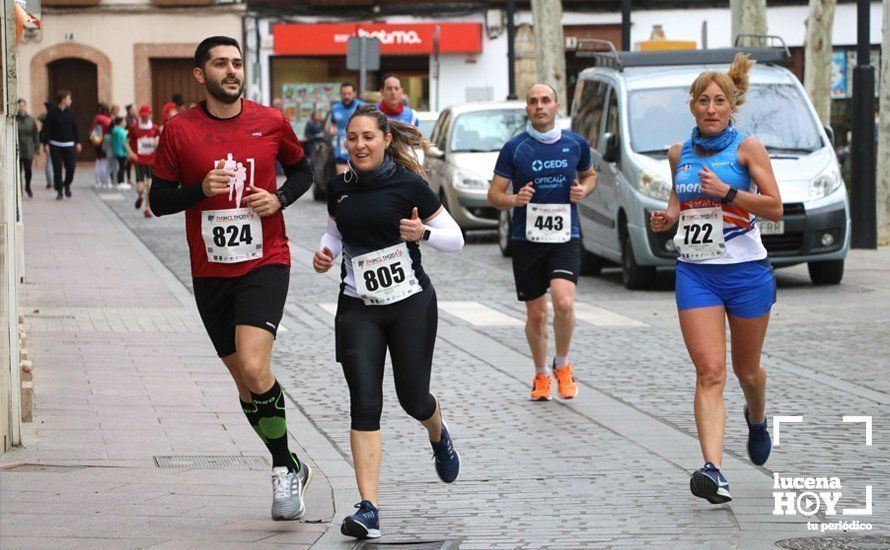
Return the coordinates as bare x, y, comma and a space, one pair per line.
543, 370
560, 360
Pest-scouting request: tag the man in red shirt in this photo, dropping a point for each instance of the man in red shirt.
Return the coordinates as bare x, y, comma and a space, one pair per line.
216, 162
143, 136
171, 108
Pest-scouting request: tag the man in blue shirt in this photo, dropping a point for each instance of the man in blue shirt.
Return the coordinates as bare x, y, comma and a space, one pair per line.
391, 104
340, 113
548, 172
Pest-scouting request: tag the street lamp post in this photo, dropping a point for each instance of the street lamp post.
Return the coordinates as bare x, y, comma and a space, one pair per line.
511, 50
863, 209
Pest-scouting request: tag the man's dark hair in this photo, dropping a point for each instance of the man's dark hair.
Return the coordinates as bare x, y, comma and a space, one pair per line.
61, 95
202, 52
22, 100
347, 85
177, 99
387, 76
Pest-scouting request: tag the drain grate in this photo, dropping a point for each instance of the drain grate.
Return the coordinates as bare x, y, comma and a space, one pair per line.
212, 462
838, 542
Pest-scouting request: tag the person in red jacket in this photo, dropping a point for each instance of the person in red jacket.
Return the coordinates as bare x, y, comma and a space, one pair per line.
144, 136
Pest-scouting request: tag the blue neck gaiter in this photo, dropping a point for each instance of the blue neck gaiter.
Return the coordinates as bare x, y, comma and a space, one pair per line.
714, 143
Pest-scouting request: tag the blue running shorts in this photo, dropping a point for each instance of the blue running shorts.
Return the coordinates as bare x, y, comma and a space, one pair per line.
746, 289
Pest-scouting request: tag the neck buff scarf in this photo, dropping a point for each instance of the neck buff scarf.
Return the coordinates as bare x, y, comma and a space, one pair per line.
391, 112
386, 169
549, 137
714, 143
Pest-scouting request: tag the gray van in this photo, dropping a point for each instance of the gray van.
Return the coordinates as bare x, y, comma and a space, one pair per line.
632, 106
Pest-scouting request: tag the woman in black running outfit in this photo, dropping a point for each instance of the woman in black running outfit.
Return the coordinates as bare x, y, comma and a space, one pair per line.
380, 210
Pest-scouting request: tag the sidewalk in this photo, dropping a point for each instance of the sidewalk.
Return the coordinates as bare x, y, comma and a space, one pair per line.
125, 378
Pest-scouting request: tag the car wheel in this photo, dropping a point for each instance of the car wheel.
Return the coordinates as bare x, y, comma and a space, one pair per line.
826, 273
505, 230
634, 277
591, 264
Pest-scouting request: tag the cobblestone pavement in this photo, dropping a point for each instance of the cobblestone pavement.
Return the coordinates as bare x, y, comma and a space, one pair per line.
609, 469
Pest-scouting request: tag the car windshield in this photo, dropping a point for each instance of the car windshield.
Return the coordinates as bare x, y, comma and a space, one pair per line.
426, 127
775, 114
486, 131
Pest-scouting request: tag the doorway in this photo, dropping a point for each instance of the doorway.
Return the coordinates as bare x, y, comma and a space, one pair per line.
80, 77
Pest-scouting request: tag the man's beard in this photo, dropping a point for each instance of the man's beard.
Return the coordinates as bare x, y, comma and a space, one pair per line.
219, 92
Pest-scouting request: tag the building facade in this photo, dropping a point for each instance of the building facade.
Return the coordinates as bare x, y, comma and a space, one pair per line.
119, 52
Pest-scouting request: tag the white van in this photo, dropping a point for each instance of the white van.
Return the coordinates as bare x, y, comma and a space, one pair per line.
632, 106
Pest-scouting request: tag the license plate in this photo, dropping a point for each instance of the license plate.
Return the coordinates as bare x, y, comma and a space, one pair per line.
768, 227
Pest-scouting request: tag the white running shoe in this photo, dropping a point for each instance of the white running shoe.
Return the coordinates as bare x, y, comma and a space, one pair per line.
287, 492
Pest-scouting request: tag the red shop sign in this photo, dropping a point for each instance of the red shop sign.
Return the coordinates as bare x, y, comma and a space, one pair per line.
396, 38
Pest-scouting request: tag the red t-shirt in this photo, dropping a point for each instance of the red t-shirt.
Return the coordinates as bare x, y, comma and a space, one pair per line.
144, 142
191, 145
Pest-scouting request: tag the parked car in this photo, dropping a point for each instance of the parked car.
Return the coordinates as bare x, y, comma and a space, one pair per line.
464, 147
631, 107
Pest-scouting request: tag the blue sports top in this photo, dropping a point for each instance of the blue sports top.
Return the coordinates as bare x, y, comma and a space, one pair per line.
551, 168
740, 231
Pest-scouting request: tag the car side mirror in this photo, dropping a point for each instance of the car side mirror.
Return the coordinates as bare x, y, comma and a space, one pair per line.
610, 147
435, 152
830, 131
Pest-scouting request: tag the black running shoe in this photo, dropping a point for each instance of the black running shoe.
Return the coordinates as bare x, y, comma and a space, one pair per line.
364, 524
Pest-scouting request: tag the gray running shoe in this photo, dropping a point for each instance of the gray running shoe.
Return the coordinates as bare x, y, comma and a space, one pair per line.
287, 492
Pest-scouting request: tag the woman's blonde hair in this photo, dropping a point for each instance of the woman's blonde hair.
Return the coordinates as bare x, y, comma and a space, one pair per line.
404, 138
733, 82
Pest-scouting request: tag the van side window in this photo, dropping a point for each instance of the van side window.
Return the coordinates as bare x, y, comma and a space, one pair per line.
613, 121
590, 111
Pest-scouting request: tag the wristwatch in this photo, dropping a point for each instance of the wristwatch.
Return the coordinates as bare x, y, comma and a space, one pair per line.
281, 199
426, 235
730, 196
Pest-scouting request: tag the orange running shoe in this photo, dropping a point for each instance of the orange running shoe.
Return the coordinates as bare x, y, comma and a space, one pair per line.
568, 389
541, 388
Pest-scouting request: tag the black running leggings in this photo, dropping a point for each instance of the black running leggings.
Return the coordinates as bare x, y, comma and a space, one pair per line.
363, 333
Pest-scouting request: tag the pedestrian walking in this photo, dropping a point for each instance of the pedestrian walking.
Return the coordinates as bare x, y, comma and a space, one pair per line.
216, 162
380, 211
722, 182
171, 108
29, 142
313, 132
63, 137
132, 120
120, 147
44, 144
548, 171
100, 130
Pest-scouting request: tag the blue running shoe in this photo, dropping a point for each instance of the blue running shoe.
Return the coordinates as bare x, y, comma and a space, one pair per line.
708, 483
447, 459
759, 441
364, 524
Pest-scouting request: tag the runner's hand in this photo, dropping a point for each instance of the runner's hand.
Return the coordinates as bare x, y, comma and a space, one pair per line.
711, 184
577, 192
661, 221
411, 230
216, 182
261, 201
524, 196
323, 260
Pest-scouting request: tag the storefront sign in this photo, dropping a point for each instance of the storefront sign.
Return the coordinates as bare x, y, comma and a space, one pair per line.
396, 38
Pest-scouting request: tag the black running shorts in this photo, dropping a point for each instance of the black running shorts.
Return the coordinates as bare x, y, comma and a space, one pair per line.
143, 172
255, 299
535, 264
